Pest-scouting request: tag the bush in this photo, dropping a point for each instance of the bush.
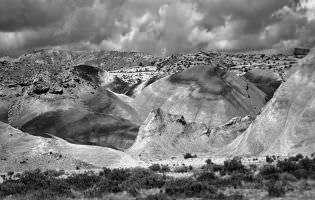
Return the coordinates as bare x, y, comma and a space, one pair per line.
155, 167
301, 173
82, 181
32, 181
268, 170
181, 169
144, 179
188, 155
307, 164
233, 165
206, 176
188, 187
269, 159
217, 168
209, 161
165, 168
159, 196
276, 189
287, 165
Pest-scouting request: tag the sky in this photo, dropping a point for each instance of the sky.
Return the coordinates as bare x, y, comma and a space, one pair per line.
159, 27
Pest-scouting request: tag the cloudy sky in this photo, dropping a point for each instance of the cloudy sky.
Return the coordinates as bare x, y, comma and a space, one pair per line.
160, 27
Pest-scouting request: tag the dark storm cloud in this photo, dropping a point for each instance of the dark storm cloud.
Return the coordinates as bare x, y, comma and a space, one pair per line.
23, 14
158, 27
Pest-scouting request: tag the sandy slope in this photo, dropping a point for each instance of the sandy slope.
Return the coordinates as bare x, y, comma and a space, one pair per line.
21, 151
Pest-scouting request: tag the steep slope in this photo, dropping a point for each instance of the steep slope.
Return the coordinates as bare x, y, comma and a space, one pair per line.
21, 151
76, 103
266, 80
164, 135
204, 94
286, 125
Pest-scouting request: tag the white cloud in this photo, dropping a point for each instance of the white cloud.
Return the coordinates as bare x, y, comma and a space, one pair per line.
158, 27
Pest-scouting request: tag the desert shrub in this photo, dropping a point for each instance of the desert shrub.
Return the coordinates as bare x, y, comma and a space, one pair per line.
118, 174
165, 168
296, 158
276, 189
105, 171
104, 186
269, 159
287, 165
144, 179
311, 175
159, 196
307, 164
285, 177
268, 171
54, 173
205, 176
217, 168
35, 182
209, 161
11, 188
82, 181
233, 165
189, 188
247, 177
155, 167
253, 167
300, 173
188, 155
222, 196
181, 169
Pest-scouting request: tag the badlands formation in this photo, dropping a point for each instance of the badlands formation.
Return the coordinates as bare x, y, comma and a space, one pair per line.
286, 125
64, 109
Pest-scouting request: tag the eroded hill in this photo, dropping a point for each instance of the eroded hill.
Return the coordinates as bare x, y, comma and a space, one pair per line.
286, 125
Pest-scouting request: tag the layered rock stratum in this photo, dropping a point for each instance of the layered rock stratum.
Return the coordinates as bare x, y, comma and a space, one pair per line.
203, 94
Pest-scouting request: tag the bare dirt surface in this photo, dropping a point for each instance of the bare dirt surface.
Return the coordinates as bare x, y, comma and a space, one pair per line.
22, 151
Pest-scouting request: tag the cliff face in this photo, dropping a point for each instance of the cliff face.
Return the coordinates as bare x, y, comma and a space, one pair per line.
286, 125
203, 94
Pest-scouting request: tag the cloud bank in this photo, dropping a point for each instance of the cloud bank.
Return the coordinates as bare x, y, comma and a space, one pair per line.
160, 27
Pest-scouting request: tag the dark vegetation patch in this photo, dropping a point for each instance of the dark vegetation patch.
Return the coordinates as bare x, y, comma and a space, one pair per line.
189, 155
211, 181
88, 73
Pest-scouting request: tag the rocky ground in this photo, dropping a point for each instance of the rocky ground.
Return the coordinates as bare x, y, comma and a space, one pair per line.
238, 63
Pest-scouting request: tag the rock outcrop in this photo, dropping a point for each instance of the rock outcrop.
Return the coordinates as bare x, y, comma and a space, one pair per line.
164, 135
